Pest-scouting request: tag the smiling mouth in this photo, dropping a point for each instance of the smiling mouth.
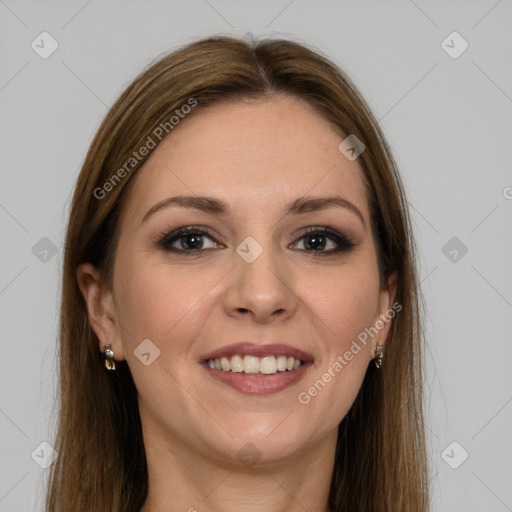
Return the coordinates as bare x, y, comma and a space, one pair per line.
256, 366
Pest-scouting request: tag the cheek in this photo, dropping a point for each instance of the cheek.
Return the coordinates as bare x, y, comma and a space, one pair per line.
344, 305
345, 301
163, 305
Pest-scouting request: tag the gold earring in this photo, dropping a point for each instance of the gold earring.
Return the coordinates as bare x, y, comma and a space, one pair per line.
379, 355
110, 363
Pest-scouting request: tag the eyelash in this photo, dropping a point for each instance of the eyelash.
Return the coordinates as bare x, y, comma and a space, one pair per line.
344, 244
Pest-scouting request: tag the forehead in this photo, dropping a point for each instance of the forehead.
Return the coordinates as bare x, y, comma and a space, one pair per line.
254, 155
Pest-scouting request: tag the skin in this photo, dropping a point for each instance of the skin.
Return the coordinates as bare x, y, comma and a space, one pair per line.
257, 157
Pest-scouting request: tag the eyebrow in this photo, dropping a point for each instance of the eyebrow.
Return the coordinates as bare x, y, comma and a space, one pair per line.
218, 207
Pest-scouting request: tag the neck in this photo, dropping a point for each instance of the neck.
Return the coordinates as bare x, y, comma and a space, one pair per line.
183, 479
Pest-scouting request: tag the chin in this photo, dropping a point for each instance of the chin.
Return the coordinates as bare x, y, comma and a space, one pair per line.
258, 445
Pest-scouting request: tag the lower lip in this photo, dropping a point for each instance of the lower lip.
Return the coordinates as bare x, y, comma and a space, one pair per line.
259, 385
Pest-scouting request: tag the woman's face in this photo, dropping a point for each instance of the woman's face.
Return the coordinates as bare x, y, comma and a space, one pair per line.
249, 273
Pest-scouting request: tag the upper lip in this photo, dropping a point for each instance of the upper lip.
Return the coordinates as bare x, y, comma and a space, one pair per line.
258, 350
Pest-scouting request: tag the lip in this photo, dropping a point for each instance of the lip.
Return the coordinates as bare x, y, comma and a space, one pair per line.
258, 350
259, 385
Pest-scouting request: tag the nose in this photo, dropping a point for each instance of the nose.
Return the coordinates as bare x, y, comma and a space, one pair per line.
261, 290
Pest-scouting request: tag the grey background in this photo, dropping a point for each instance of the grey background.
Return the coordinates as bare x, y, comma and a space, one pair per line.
447, 119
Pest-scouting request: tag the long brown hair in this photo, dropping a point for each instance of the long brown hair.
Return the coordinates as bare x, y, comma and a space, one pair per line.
380, 463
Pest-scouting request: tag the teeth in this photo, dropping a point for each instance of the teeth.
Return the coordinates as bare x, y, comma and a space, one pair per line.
268, 365
251, 364
237, 364
281, 363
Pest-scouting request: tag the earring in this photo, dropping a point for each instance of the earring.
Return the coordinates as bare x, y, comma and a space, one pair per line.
110, 364
379, 355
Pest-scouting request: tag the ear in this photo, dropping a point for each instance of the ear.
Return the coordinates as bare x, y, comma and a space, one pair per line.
100, 309
386, 310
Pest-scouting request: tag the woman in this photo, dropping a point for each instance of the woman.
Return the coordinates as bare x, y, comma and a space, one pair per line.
239, 324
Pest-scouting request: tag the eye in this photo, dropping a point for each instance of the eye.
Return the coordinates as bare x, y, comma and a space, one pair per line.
318, 240
323, 241
188, 240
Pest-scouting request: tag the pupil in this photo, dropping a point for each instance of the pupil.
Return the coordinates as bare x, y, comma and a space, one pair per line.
191, 241
316, 241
